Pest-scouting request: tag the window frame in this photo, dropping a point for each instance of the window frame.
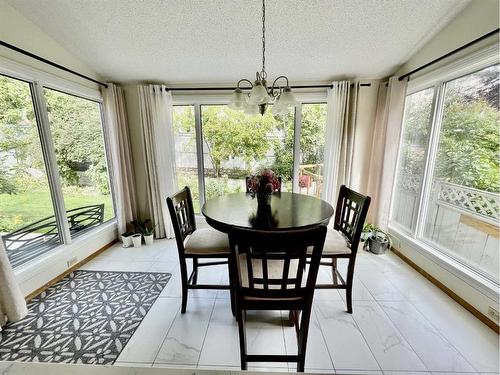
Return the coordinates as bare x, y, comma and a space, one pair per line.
438, 80
198, 100
39, 80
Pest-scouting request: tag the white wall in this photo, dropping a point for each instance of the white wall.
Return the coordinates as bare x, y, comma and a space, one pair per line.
18, 30
477, 19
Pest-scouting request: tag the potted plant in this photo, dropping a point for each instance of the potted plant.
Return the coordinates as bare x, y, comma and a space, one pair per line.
146, 228
137, 239
376, 240
127, 239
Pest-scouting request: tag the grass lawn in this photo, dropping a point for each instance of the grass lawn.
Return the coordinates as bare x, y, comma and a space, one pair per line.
18, 210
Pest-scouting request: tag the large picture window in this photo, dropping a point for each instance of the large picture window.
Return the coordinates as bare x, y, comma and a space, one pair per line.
54, 178
454, 205
26, 212
218, 149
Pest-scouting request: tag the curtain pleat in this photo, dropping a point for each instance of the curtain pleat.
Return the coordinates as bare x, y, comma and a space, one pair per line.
339, 133
385, 147
155, 105
12, 303
121, 155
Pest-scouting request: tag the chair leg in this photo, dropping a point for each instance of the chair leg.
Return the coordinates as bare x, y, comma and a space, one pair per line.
302, 339
240, 316
334, 272
349, 281
195, 271
231, 288
184, 282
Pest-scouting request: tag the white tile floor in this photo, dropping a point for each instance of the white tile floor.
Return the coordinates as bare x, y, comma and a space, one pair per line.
402, 324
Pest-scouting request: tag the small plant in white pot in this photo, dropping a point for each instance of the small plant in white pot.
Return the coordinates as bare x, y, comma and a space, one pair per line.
147, 229
127, 239
137, 239
376, 240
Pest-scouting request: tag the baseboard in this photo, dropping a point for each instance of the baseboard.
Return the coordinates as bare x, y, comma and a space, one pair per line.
68, 271
478, 314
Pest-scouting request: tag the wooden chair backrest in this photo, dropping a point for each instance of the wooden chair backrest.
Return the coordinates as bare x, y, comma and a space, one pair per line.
350, 215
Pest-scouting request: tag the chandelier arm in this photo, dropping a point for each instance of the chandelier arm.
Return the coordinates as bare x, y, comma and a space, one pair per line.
273, 86
244, 80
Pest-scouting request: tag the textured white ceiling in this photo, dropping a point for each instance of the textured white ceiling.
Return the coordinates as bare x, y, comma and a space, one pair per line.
219, 40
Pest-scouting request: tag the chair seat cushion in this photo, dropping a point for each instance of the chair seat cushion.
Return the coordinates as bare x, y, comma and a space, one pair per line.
207, 241
335, 244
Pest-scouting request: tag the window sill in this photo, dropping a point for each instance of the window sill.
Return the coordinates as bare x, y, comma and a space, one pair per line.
475, 280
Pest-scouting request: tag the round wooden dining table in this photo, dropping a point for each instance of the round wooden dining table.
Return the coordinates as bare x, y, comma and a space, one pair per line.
280, 211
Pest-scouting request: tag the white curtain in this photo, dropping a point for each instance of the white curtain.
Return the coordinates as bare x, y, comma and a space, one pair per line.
155, 105
12, 303
121, 156
338, 140
386, 136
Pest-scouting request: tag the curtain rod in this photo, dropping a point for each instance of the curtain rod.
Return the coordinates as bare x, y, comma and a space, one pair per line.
51, 63
449, 54
248, 88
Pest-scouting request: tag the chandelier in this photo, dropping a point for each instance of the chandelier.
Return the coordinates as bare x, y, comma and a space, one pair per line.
257, 100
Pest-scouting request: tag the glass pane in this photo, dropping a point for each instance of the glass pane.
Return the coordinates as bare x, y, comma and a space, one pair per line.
236, 145
75, 124
185, 151
27, 223
463, 209
312, 148
411, 163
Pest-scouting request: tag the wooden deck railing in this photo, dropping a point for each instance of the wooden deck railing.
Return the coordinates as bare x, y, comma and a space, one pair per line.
311, 179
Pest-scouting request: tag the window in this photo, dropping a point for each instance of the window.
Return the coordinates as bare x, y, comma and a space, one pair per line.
186, 160
411, 163
233, 143
27, 215
75, 126
54, 178
312, 148
460, 209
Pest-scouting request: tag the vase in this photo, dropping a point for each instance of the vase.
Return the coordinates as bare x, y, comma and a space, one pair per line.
263, 199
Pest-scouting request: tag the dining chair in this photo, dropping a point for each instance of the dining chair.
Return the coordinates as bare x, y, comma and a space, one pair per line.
194, 243
342, 241
268, 272
248, 178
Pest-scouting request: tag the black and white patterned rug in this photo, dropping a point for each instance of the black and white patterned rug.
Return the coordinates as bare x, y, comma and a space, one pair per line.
88, 317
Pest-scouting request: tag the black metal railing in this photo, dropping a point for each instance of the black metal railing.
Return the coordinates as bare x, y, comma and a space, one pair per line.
36, 238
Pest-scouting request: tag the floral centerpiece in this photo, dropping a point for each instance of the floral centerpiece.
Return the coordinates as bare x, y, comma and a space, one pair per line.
264, 183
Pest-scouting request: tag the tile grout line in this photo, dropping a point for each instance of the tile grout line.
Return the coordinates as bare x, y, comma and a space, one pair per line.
166, 334
206, 332
324, 340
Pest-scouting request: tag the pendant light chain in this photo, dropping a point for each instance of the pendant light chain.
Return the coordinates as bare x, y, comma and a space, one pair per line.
260, 95
263, 73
